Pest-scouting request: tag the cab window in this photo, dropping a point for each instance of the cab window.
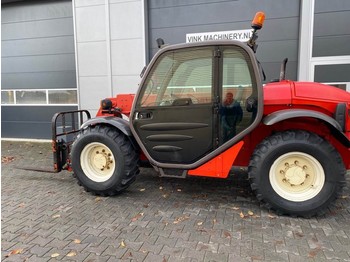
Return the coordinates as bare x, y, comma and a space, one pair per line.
180, 78
238, 86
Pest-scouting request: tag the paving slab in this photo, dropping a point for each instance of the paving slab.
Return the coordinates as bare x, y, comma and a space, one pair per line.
49, 217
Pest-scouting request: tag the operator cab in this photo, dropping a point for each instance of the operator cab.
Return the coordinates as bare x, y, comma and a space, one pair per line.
180, 113
196, 100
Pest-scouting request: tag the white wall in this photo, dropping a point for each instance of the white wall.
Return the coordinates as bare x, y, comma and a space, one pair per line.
110, 48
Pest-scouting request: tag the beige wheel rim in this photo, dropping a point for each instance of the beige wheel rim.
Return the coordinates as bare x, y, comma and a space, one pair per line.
97, 162
297, 176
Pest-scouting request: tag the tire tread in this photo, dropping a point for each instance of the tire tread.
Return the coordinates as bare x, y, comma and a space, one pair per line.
272, 143
131, 169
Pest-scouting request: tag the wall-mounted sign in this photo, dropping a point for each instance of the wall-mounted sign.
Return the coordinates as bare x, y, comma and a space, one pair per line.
239, 35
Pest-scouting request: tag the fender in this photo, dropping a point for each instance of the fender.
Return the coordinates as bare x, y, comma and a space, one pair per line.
119, 123
281, 115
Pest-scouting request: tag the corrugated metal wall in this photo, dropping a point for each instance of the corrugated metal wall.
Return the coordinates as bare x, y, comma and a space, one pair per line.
37, 53
331, 28
331, 39
172, 20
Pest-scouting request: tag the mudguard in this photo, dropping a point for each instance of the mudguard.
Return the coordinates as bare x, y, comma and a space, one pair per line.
119, 123
282, 115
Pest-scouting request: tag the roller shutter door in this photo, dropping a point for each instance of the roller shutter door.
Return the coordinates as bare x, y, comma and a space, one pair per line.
38, 66
172, 20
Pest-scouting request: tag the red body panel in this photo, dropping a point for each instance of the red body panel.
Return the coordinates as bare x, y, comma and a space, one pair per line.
299, 95
219, 166
303, 95
122, 101
277, 96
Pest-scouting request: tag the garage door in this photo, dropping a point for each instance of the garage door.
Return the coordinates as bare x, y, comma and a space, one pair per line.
38, 66
172, 20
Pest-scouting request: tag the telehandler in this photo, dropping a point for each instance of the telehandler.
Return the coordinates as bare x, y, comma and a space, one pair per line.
200, 109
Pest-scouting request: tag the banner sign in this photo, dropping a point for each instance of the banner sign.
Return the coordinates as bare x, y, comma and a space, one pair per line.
239, 35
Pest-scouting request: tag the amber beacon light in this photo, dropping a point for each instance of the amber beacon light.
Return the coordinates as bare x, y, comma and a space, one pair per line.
258, 20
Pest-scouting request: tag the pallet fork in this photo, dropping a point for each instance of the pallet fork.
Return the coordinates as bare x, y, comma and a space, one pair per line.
65, 128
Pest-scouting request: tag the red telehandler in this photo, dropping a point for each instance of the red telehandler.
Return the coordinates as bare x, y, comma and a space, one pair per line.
200, 109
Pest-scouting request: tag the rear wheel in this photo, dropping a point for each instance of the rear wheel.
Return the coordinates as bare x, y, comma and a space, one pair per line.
104, 161
296, 173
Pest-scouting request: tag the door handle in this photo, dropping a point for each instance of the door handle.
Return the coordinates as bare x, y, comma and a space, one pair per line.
144, 115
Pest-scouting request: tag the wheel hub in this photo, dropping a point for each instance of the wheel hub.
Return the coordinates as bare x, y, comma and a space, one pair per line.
102, 160
294, 174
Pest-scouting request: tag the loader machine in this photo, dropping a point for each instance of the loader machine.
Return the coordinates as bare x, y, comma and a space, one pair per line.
200, 109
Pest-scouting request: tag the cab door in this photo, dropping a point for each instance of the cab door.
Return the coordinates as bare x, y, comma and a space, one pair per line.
174, 113
178, 115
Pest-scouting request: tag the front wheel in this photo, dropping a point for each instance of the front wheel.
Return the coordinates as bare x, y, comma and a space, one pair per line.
296, 173
104, 161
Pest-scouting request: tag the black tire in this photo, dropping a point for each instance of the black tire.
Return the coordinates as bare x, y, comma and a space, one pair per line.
115, 156
285, 186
